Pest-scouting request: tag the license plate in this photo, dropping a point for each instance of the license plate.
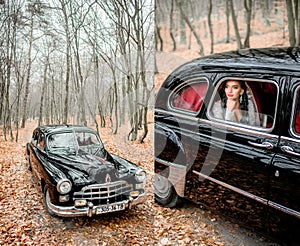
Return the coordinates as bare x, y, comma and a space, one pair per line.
110, 208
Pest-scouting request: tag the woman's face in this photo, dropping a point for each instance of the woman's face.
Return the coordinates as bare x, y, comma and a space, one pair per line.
233, 90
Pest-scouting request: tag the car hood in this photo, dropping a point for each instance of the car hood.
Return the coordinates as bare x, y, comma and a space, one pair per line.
84, 167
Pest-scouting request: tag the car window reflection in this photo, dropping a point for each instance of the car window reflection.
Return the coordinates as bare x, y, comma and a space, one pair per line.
88, 142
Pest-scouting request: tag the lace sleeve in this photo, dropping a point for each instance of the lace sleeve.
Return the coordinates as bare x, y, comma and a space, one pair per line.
217, 110
253, 115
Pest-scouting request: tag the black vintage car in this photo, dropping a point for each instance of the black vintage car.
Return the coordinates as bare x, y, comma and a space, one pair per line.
78, 176
244, 163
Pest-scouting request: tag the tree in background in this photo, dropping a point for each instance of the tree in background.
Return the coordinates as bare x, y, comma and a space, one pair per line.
210, 25
190, 25
69, 64
293, 21
248, 9
218, 15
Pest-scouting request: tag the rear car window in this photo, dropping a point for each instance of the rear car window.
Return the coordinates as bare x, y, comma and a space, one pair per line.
189, 97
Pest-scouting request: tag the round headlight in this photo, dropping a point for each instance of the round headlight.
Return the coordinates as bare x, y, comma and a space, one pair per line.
64, 186
140, 176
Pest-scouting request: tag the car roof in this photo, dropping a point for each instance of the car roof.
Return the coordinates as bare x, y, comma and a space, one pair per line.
49, 129
283, 60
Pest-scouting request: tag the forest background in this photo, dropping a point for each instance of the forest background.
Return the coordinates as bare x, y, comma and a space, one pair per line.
99, 63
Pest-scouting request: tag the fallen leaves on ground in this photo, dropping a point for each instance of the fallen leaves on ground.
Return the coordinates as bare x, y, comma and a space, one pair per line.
24, 220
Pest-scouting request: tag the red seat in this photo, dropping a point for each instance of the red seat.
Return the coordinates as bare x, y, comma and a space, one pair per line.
297, 122
191, 97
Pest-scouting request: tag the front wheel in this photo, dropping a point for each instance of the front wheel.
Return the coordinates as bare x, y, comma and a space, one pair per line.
165, 193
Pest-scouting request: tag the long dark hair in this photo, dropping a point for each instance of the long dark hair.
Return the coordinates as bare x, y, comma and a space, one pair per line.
243, 97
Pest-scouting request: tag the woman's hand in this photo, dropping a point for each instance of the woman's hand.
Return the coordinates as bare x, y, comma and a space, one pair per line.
234, 106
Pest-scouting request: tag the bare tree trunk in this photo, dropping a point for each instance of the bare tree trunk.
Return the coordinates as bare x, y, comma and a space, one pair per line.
2, 92
102, 116
235, 24
199, 42
19, 79
266, 11
227, 22
291, 22
297, 18
248, 7
182, 25
66, 105
161, 41
172, 25
28, 73
68, 62
211, 32
7, 111
115, 91
43, 94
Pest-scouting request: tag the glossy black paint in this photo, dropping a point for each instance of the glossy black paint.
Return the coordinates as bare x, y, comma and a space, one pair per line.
220, 166
81, 167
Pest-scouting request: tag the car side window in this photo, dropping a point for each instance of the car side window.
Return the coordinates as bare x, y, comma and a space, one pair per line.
245, 101
296, 115
190, 96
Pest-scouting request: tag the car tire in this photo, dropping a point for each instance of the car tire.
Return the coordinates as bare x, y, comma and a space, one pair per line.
46, 198
165, 193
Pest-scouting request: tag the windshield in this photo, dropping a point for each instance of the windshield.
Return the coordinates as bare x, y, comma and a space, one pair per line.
61, 140
75, 141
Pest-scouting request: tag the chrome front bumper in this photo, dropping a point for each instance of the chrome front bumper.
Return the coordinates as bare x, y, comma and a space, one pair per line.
91, 209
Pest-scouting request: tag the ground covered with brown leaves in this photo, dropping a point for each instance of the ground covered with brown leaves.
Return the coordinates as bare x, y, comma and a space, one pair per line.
24, 221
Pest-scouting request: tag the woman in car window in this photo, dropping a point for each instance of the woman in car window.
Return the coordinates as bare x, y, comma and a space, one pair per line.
235, 104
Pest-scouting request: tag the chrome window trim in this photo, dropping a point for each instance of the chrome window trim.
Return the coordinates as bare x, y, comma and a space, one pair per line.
170, 164
182, 85
233, 188
293, 118
289, 139
177, 114
284, 209
222, 124
249, 195
211, 102
241, 128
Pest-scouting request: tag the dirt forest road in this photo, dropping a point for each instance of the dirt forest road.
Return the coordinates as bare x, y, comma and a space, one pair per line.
24, 221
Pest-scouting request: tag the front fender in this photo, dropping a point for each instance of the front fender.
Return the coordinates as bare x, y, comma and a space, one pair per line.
170, 156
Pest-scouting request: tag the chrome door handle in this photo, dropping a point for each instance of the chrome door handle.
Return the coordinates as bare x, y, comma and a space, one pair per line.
265, 145
289, 150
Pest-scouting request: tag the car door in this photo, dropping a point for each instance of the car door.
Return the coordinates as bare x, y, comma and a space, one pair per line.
33, 157
37, 151
234, 158
285, 172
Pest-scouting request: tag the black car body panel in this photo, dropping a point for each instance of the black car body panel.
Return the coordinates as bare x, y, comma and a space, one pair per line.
249, 170
78, 176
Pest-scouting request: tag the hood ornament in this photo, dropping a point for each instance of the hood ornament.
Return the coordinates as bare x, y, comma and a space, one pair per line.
107, 178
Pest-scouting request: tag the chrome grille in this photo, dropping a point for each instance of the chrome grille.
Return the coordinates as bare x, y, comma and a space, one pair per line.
104, 193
